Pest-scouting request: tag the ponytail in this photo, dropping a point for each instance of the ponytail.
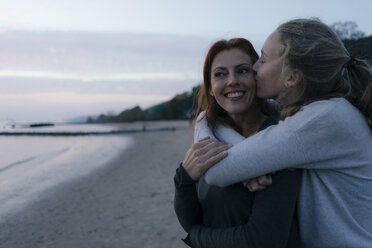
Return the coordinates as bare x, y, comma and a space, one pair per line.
359, 75
327, 68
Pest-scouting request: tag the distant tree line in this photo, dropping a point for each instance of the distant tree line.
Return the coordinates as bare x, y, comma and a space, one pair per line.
361, 48
182, 106
354, 40
347, 30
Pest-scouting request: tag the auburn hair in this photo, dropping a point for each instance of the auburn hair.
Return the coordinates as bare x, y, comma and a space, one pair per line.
214, 113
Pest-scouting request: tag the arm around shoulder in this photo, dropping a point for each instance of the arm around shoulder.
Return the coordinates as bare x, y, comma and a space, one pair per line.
273, 149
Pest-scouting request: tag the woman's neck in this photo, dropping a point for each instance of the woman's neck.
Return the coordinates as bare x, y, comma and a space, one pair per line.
249, 122
288, 96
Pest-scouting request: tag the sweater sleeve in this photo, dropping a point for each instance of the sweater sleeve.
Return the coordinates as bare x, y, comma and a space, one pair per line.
272, 149
271, 224
319, 136
186, 202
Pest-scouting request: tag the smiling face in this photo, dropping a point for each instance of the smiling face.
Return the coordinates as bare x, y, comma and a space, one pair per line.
232, 81
269, 68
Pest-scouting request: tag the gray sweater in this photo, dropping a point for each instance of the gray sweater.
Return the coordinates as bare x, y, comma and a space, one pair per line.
332, 141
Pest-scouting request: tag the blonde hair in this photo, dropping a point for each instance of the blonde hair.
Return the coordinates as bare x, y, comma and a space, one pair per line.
327, 68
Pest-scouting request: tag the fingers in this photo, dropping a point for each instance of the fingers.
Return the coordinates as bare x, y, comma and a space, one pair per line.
207, 140
259, 183
253, 185
202, 139
208, 147
213, 152
265, 180
210, 144
202, 155
214, 148
204, 148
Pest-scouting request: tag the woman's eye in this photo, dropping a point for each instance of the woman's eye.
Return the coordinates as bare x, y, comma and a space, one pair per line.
219, 74
243, 70
261, 61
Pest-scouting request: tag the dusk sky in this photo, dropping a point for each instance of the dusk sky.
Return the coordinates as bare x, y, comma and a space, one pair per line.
64, 59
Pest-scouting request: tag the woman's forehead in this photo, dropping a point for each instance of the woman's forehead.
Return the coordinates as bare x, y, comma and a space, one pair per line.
272, 46
231, 57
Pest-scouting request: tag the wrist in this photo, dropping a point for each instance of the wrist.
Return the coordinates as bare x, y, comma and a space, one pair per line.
183, 178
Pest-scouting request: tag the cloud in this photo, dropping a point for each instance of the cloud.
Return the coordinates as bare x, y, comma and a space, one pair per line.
59, 75
72, 98
98, 77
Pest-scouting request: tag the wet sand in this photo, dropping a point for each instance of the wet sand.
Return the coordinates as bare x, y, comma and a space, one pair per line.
127, 203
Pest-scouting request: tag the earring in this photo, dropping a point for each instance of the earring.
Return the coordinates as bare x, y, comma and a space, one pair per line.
286, 84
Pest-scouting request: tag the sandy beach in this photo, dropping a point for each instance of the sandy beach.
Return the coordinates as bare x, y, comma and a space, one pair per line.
127, 203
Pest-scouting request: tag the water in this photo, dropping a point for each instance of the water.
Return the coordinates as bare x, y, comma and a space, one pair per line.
55, 128
30, 165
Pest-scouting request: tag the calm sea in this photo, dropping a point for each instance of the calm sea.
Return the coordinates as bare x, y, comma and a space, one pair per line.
31, 164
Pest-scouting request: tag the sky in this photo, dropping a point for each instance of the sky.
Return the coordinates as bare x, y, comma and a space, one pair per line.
65, 59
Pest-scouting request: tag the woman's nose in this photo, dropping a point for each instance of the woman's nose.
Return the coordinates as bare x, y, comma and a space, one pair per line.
233, 79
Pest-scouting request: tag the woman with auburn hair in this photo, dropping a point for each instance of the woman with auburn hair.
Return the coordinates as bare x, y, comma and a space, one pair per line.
232, 216
325, 129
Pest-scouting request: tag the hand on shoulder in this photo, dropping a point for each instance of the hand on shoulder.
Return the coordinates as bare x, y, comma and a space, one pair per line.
202, 155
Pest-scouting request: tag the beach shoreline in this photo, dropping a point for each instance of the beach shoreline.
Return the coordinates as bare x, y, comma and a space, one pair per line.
126, 203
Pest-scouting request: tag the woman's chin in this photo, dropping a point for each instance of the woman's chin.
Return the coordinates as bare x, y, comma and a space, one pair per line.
265, 95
